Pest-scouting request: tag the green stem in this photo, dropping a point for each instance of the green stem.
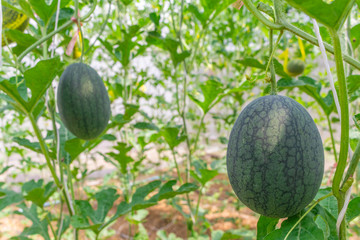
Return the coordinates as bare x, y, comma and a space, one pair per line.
198, 132
101, 29
332, 137
344, 105
51, 227
344, 144
249, 5
198, 204
271, 62
48, 161
44, 149
353, 164
177, 166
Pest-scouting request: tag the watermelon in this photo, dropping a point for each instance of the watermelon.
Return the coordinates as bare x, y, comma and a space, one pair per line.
275, 157
295, 67
83, 101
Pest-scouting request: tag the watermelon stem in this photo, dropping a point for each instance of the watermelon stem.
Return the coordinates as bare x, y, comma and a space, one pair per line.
271, 62
344, 143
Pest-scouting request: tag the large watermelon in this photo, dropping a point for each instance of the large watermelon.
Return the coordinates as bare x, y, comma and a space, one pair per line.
275, 157
83, 101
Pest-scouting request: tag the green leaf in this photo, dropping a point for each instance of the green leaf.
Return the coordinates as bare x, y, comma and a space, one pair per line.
306, 229
9, 197
328, 223
146, 125
353, 210
355, 36
332, 15
166, 191
330, 203
265, 225
74, 147
211, 90
38, 226
312, 88
353, 83
22, 39
39, 78
14, 89
43, 10
39, 195
154, 18
205, 175
34, 146
138, 200
170, 134
252, 62
356, 119
170, 45
122, 156
105, 200
64, 15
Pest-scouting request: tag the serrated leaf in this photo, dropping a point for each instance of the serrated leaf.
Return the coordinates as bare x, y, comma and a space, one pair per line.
122, 156
38, 226
211, 91
138, 200
205, 175
9, 197
170, 134
34, 146
40, 195
105, 200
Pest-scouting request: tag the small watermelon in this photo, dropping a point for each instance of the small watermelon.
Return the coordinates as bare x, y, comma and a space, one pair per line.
295, 67
83, 101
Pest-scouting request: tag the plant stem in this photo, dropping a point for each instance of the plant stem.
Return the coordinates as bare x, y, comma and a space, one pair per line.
177, 166
353, 164
344, 105
44, 149
199, 131
249, 5
332, 137
48, 161
344, 144
272, 69
198, 204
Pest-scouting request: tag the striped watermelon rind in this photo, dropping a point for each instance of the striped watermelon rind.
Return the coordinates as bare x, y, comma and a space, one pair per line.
83, 102
275, 157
